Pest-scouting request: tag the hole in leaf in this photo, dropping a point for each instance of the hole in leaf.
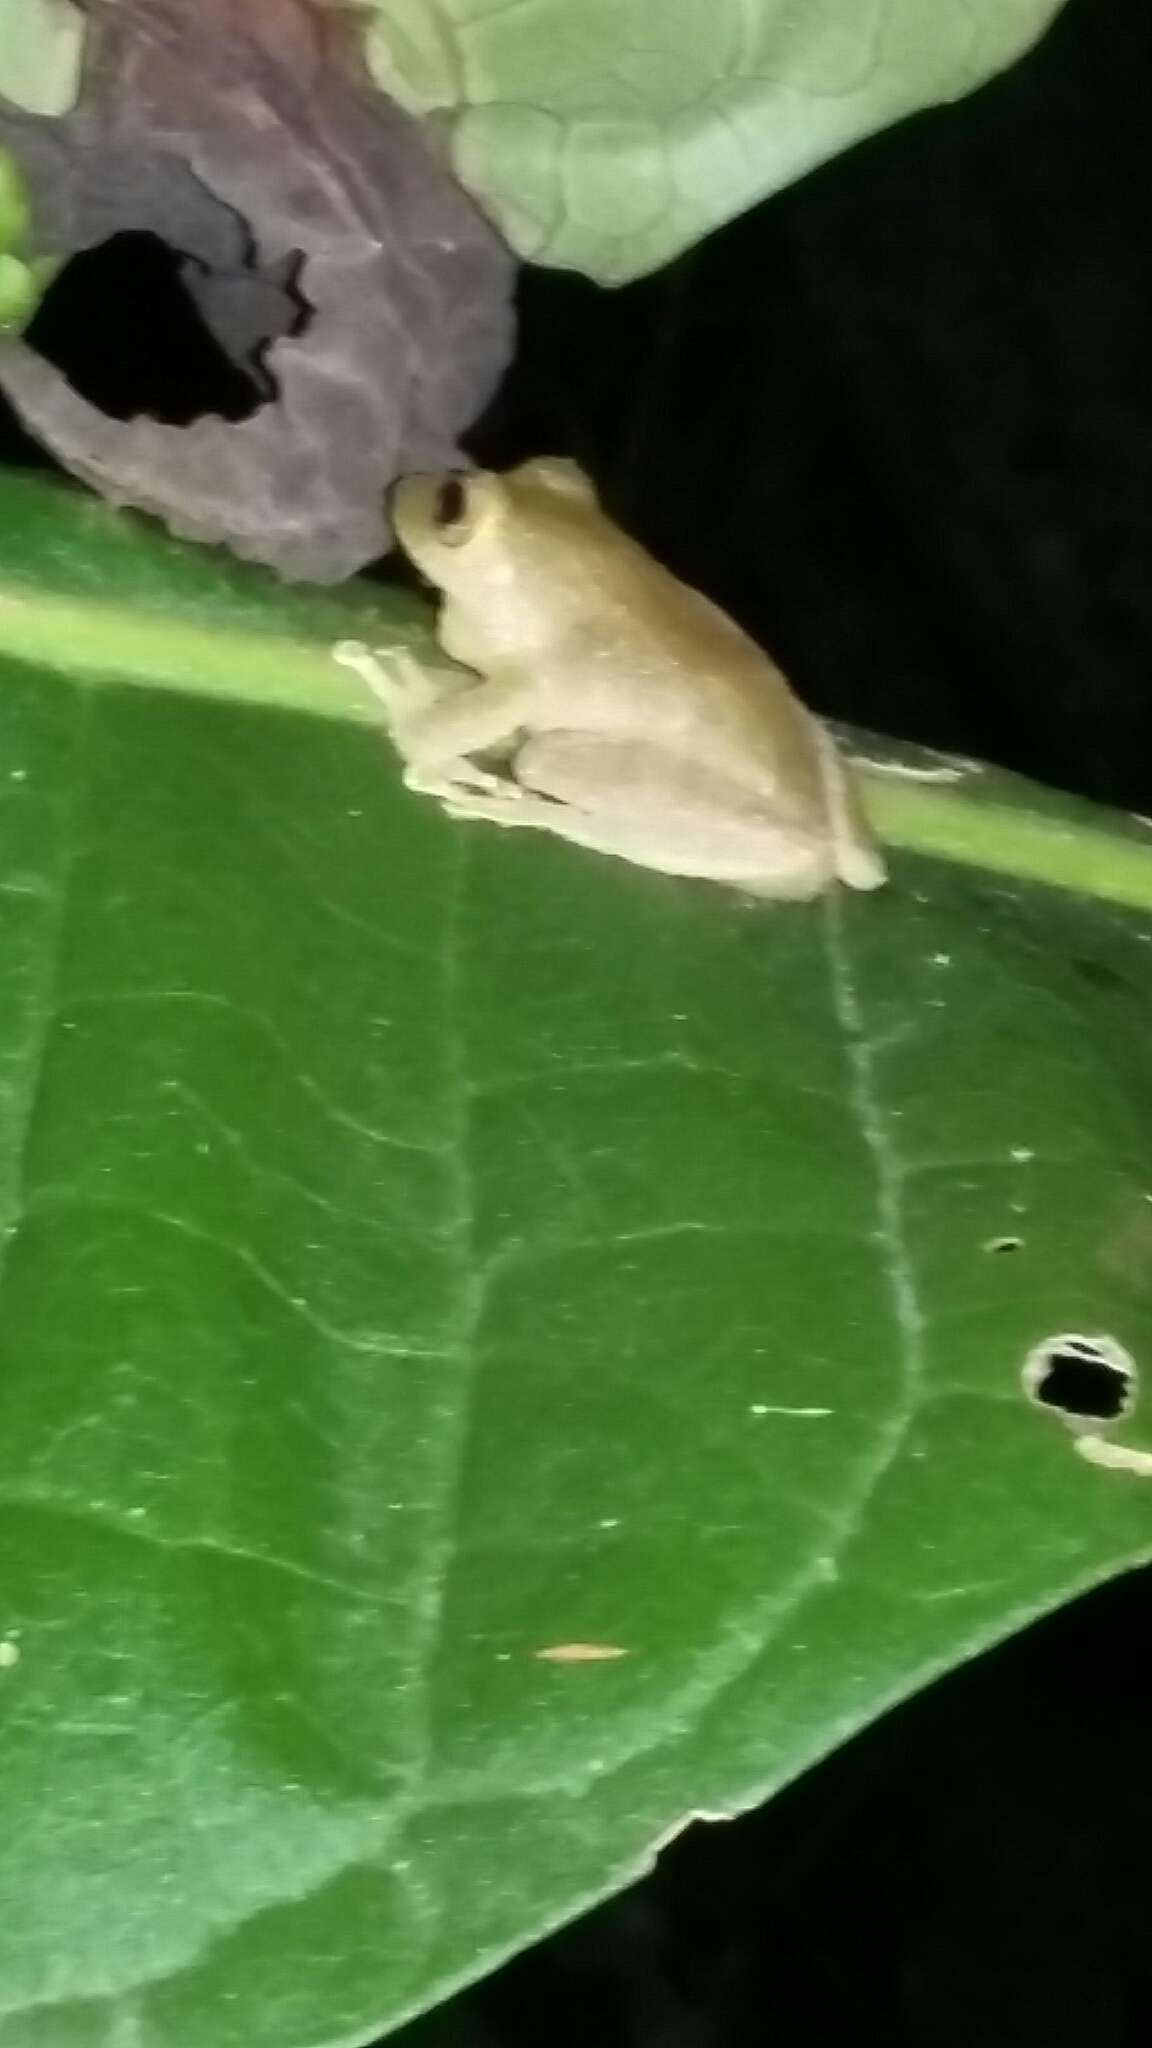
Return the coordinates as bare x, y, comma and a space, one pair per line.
121, 323
1003, 1244
1088, 1381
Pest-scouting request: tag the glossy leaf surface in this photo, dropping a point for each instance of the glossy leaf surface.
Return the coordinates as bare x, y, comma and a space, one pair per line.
432, 1254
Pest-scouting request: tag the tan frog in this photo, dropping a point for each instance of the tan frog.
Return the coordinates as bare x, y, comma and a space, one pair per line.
609, 703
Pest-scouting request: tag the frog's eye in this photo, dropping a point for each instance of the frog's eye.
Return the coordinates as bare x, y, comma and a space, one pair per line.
452, 508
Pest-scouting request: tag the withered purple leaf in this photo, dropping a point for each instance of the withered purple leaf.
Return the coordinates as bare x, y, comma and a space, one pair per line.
326, 247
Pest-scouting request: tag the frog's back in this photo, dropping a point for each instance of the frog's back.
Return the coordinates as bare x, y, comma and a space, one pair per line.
653, 658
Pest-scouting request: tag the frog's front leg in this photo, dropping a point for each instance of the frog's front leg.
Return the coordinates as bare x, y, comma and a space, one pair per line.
434, 715
437, 742
403, 685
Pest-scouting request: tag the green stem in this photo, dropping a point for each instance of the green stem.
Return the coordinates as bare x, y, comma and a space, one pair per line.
97, 641
1029, 845
291, 668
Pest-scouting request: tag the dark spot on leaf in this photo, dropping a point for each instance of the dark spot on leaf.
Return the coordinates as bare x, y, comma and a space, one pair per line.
1098, 975
1004, 1244
136, 325
1085, 1379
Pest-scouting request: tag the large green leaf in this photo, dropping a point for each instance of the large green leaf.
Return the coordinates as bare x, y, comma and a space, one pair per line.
428, 1248
607, 135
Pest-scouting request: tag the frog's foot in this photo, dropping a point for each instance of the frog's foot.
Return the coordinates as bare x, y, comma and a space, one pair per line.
513, 807
365, 660
460, 782
391, 673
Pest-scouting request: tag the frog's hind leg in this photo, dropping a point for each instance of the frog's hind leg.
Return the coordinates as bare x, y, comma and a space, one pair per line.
619, 798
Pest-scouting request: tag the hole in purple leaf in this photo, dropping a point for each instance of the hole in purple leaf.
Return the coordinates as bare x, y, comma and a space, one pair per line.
139, 328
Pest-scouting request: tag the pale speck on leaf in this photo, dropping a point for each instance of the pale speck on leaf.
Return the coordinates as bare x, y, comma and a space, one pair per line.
805, 1414
580, 1653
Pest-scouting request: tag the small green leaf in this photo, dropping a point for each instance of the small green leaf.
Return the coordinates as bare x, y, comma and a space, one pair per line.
608, 135
13, 204
19, 293
41, 54
431, 1253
